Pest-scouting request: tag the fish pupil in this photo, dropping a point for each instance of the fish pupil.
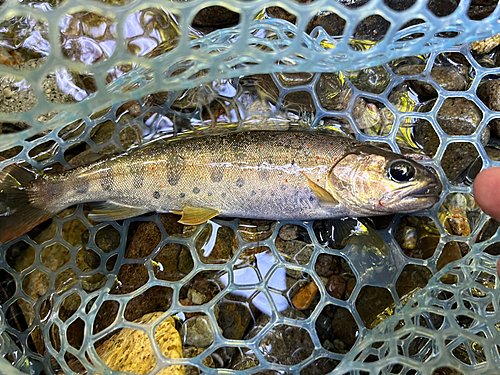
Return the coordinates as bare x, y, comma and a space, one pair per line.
401, 171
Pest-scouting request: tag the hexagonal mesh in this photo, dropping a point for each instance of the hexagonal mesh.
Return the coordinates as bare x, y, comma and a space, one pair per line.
406, 294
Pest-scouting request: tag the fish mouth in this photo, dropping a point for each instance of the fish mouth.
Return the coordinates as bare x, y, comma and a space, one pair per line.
424, 196
429, 190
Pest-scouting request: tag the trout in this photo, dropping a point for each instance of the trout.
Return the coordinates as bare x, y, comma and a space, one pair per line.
260, 174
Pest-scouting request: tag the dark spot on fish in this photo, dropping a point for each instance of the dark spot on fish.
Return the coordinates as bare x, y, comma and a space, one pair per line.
311, 198
240, 182
209, 194
84, 185
196, 190
283, 187
182, 195
175, 169
223, 195
217, 174
253, 192
263, 174
56, 189
107, 179
241, 155
272, 193
156, 195
138, 174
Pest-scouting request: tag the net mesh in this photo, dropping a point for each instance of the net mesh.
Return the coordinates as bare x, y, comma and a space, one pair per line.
150, 295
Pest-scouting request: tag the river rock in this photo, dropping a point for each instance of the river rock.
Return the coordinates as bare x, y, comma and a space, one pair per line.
130, 350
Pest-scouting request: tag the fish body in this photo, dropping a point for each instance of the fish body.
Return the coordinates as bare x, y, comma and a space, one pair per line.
267, 175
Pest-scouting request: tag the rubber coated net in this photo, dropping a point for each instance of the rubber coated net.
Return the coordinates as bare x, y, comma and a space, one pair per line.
403, 294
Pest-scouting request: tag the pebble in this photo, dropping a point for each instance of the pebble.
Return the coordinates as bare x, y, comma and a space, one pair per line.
460, 116
289, 232
323, 265
234, 318
196, 297
486, 45
336, 286
305, 296
489, 93
130, 350
197, 331
283, 344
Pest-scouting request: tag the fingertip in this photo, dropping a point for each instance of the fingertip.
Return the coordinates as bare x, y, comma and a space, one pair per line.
487, 191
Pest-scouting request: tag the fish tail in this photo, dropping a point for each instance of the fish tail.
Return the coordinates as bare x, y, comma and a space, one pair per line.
18, 214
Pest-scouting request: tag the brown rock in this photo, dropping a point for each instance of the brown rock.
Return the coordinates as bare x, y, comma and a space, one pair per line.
130, 350
304, 297
289, 232
323, 265
223, 248
144, 241
234, 318
336, 287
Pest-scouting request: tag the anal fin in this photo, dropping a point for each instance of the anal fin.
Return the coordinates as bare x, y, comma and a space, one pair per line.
196, 215
107, 211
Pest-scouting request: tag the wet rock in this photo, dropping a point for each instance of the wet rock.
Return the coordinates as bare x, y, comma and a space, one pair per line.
295, 251
336, 287
372, 28
171, 224
173, 262
412, 278
18, 96
196, 297
154, 299
451, 253
485, 46
191, 352
372, 118
289, 232
220, 250
373, 80
344, 326
144, 241
256, 230
329, 21
332, 92
457, 159
305, 296
283, 344
295, 79
107, 239
131, 351
448, 77
234, 318
460, 116
215, 17
489, 93
371, 302
323, 265
197, 331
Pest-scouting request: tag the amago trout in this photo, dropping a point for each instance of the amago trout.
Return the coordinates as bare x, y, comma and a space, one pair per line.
267, 175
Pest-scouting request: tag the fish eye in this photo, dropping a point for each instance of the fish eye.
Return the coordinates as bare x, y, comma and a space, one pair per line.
401, 171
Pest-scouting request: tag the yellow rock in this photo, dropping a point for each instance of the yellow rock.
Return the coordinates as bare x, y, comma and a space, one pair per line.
130, 350
485, 46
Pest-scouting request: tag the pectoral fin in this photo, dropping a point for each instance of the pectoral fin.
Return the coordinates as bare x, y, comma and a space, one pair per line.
323, 195
196, 215
107, 211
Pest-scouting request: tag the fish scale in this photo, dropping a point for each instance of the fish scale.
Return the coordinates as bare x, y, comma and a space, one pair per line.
261, 174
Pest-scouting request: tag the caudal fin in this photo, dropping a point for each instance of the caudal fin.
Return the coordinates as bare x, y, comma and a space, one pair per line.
17, 213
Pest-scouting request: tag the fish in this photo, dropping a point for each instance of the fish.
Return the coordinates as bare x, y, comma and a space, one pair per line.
257, 174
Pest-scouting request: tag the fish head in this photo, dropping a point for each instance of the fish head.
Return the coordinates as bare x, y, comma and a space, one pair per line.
371, 181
